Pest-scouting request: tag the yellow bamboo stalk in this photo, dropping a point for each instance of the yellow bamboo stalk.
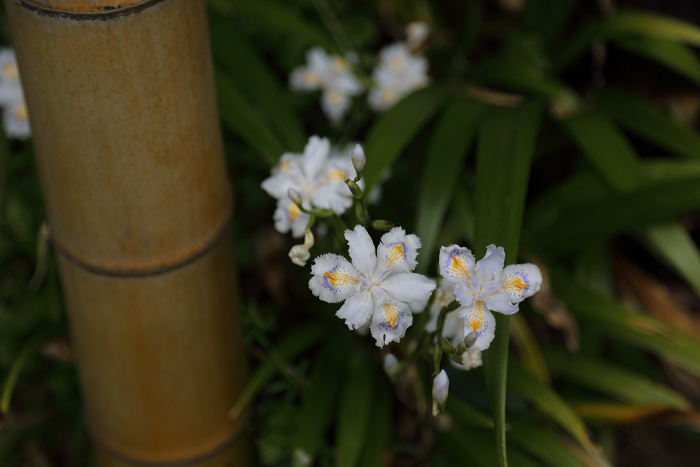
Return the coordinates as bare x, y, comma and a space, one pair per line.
126, 134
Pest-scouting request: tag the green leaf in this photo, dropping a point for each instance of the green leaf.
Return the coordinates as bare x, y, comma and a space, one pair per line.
392, 132
318, 402
543, 444
607, 148
547, 18
504, 156
277, 17
520, 76
548, 402
467, 415
531, 356
381, 424
615, 381
243, 120
356, 401
676, 246
612, 319
635, 210
244, 65
677, 57
626, 24
444, 162
475, 446
641, 117
292, 345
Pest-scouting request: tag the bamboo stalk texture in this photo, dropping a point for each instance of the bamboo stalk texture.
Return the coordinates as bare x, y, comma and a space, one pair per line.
126, 134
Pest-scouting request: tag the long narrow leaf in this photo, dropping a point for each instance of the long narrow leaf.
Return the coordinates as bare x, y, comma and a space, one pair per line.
243, 120
548, 401
676, 246
641, 117
677, 57
293, 344
356, 401
318, 402
392, 132
245, 66
381, 423
615, 381
506, 146
443, 164
544, 445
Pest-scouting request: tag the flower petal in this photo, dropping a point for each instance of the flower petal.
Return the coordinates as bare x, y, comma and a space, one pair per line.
361, 249
463, 294
456, 264
490, 266
315, 155
480, 320
521, 281
398, 251
328, 196
408, 286
501, 303
357, 309
288, 217
390, 322
334, 278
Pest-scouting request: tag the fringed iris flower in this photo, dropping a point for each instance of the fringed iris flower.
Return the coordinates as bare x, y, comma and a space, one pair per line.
374, 286
486, 286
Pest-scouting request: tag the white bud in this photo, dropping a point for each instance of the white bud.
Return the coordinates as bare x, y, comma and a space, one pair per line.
441, 385
416, 32
294, 195
358, 158
391, 365
299, 255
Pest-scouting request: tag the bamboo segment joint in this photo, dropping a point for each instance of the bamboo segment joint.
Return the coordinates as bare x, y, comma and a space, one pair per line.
86, 11
237, 433
201, 251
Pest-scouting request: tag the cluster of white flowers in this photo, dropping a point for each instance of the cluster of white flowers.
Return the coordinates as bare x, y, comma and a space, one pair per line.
317, 176
485, 287
399, 72
332, 75
375, 286
15, 116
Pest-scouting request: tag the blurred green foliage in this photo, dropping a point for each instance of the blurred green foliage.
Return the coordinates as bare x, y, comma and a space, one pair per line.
531, 137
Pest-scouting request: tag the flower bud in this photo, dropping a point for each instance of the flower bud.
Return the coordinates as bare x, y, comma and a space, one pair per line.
358, 159
299, 255
447, 346
381, 224
391, 366
295, 196
322, 212
361, 213
470, 339
441, 385
308, 238
460, 349
354, 188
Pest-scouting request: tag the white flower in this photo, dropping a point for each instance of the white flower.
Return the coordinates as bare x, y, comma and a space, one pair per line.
471, 358
15, 116
397, 74
317, 175
441, 386
299, 255
376, 286
416, 33
330, 74
486, 287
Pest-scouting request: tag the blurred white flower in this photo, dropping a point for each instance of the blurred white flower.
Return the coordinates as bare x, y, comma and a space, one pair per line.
397, 74
15, 116
391, 366
486, 287
441, 386
416, 33
299, 255
332, 75
471, 358
376, 286
317, 176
